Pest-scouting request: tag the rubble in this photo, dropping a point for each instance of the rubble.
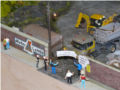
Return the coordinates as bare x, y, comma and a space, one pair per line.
107, 32
114, 59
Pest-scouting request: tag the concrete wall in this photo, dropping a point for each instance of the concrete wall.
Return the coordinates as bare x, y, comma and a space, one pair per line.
12, 34
41, 45
105, 74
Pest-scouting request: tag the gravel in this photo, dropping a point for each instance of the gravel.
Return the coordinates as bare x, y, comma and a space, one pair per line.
66, 23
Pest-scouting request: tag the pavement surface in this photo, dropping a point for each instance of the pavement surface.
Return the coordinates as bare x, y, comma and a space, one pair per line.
20, 76
19, 67
22, 56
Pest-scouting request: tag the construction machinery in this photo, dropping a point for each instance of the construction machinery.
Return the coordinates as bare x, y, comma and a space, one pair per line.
106, 38
83, 43
94, 21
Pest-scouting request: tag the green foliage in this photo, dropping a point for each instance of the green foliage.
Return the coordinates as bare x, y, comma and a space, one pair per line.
63, 10
54, 26
10, 6
29, 3
44, 3
25, 22
5, 9
29, 20
68, 4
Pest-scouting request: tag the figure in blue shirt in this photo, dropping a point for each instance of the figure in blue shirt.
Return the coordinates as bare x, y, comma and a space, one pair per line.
53, 65
79, 67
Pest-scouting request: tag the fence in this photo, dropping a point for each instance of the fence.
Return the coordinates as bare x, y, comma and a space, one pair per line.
20, 40
105, 74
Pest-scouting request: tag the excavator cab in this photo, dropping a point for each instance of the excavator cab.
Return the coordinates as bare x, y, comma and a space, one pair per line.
96, 20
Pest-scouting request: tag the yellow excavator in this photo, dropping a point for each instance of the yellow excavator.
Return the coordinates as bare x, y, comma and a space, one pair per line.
94, 21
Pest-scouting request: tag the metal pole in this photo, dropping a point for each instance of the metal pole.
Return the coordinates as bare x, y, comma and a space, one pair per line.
49, 32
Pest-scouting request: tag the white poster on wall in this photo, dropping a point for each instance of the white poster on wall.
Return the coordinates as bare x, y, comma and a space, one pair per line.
66, 53
83, 60
29, 47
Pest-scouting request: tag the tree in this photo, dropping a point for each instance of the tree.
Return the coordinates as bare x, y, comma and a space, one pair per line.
5, 8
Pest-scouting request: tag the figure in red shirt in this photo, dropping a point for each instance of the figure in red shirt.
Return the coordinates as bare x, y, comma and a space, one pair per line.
82, 78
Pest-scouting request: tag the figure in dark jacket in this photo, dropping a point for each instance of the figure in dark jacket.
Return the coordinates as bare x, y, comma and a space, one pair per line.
37, 62
45, 63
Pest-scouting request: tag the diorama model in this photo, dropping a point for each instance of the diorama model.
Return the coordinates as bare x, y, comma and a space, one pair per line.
95, 20
105, 38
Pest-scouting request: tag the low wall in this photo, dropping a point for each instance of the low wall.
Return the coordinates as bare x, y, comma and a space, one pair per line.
104, 74
19, 40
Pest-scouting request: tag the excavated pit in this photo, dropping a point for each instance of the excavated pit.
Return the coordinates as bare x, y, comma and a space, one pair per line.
64, 64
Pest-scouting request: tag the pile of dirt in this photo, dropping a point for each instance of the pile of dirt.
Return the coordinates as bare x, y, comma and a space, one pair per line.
64, 65
61, 69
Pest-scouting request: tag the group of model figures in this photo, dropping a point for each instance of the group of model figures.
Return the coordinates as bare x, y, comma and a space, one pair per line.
68, 75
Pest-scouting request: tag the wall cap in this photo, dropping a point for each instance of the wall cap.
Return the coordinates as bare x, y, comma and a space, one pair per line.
98, 62
24, 35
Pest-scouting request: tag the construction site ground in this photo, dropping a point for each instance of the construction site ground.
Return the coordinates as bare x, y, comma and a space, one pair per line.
19, 72
66, 23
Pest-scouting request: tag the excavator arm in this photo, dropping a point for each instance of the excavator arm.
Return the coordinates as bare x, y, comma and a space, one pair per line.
109, 20
86, 17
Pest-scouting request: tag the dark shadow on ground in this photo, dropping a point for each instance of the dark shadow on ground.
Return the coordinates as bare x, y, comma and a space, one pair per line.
61, 69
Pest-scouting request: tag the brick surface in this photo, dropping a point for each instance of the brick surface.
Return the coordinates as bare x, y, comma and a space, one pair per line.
5, 33
11, 36
104, 75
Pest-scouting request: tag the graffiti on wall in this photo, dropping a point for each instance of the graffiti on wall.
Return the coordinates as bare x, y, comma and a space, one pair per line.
29, 47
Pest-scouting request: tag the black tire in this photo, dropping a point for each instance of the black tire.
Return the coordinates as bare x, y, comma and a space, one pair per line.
112, 48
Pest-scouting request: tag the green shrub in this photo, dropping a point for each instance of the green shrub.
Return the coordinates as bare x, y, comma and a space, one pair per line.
10, 6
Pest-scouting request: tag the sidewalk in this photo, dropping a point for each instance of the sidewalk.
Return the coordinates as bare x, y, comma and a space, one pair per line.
92, 85
22, 56
30, 60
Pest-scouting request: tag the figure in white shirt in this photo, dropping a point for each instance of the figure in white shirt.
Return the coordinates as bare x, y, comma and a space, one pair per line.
68, 76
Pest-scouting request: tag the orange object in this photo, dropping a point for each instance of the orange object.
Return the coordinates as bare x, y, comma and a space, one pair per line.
83, 39
29, 42
4, 42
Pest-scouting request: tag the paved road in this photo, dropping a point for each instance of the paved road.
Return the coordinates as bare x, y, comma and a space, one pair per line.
27, 61
17, 75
